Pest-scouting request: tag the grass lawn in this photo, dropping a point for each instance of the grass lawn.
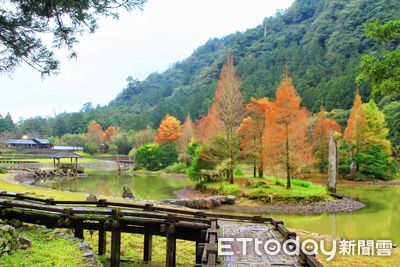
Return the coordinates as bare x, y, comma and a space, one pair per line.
271, 189
46, 250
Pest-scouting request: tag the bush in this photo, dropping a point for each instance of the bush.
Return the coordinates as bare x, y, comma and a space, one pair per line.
230, 189
280, 183
2, 170
301, 183
177, 167
237, 172
91, 148
153, 157
375, 164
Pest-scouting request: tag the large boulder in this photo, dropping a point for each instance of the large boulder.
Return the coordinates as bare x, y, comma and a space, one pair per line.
127, 192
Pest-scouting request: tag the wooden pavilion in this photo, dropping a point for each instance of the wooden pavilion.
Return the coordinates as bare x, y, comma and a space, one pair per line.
72, 166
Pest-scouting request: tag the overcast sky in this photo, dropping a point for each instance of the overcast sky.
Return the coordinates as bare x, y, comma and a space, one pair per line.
137, 44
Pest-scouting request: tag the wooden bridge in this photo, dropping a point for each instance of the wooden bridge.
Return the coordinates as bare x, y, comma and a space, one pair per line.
147, 219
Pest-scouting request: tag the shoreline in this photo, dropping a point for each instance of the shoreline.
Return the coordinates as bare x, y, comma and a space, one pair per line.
324, 207
329, 206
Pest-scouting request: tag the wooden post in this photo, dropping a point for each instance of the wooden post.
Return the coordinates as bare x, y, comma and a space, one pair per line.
78, 233
102, 241
199, 252
148, 246
332, 165
171, 246
115, 247
115, 240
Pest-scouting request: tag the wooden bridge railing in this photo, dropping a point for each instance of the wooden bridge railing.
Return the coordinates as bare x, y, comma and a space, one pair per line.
146, 219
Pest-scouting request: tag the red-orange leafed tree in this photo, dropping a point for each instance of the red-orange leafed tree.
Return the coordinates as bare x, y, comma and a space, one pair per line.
110, 132
251, 131
188, 133
323, 128
248, 141
356, 132
357, 127
95, 134
169, 131
210, 124
285, 134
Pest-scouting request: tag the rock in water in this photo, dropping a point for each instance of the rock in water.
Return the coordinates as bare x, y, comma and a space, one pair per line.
91, 197
127, 192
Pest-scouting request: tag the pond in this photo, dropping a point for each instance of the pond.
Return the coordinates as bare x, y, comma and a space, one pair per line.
379, 220
110, 184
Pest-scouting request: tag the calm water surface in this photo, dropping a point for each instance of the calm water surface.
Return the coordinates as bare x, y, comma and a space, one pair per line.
380, 220
110, 184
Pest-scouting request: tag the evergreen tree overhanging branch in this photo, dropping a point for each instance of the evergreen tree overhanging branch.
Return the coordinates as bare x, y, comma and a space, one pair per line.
23, 23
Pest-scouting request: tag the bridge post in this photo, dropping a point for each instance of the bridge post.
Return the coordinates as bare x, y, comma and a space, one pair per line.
78, 233
102, 241
171, 246
115, 240
148, 246
115, 247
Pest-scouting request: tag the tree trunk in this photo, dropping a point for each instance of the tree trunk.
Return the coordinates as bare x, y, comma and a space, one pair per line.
261, 166
254, 168
332, 165
288, 184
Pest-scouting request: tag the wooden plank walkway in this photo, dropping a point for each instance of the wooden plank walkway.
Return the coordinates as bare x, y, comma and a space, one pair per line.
262, 232
147, 219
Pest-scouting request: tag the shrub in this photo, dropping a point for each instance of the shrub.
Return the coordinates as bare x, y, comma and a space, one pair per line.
152, 156
177, 167
91, 148
2, 170
301, 183
230, 189
238, 172
375, 164
280, 183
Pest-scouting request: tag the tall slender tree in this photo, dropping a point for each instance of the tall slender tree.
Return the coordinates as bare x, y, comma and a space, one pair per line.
356, 132
322, 130
378, 131
111, 131
188, 133
251, 131
95, 134
285, 134
230, 105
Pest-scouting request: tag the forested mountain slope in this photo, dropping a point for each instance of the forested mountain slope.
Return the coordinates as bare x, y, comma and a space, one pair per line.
320, 40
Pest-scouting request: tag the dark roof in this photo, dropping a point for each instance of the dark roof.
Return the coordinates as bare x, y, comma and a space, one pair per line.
28, 142
20, 142
65, 154
42, 141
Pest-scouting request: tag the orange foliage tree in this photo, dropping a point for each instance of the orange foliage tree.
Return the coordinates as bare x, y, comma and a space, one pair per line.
95, 134
169, 131
356, 132
285, 134
251, 131
323, 128
110, 132
188, 133
225, 114
210, 124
